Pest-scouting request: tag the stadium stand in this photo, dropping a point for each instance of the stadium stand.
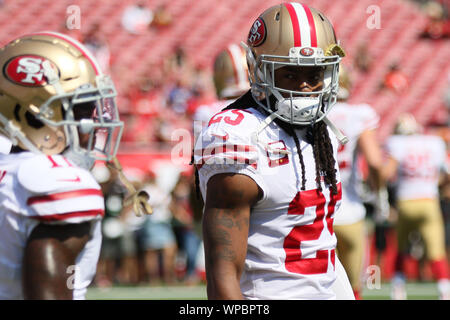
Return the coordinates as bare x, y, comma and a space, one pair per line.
397, 39
205, 27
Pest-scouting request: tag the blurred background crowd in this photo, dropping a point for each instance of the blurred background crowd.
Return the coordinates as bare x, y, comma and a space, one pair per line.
160, 54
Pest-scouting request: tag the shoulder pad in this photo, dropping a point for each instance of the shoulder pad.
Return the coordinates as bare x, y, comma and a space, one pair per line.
230, 126
234, 120
44, 174
228, 137
232, 117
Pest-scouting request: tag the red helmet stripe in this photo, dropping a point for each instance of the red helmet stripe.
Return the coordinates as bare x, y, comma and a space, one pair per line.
295, 24
303, 25
312, 26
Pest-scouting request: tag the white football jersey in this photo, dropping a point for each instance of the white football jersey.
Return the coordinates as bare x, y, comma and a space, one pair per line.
291, 243
352, 120
205, 112
420, 159
5, 145
45, 189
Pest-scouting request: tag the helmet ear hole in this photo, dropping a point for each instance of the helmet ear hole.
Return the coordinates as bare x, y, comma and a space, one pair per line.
32, 121
16, 112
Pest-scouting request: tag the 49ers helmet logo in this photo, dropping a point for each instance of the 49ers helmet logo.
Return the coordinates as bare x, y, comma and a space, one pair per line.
306, 51
27, 70
257, 34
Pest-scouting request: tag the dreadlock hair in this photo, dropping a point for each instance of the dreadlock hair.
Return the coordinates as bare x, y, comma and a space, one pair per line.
323, 155
317, 136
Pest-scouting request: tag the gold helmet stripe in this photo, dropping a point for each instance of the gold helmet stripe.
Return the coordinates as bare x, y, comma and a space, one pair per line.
84, 51
303, 25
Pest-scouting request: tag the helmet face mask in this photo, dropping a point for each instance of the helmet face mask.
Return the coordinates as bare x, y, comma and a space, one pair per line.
297, 105
269, 50
89, 112
63, 104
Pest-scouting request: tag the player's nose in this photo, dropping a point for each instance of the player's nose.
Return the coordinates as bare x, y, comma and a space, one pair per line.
305, 87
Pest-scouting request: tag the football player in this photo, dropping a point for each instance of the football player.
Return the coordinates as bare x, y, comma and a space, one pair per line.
267, 167
358, 123
417, 163
230, 77
58, 112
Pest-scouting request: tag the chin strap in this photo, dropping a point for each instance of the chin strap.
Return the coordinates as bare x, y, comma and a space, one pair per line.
339, 135
261, 127
139, 199
255, 135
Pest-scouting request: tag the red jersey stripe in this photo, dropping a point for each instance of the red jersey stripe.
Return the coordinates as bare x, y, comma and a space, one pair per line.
69, 215
64, 195
235, 159
224, 149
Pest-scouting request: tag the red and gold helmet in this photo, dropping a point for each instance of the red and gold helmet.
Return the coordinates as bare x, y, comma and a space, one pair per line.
345, 83
407, 124
293, 34
231, 73
52, 89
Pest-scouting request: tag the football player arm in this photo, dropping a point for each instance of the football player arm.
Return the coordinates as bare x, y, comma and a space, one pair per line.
228, 204
49, 253
371, 151
390, 169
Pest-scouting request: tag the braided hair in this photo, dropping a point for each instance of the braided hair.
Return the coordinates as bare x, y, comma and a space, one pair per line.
317, 136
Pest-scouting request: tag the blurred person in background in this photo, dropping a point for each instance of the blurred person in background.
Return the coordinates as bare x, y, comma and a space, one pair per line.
131, 225
184, 227
395, 80
179, 95
112, 228
438, 24
162, 18
157, 237
137, 18
118, 262
363, 60
359, 123
98, 46
417, 165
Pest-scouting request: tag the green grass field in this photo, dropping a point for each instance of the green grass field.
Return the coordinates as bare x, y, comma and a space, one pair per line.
415, 291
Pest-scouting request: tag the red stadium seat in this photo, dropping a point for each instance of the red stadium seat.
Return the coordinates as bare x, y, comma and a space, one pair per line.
206, 27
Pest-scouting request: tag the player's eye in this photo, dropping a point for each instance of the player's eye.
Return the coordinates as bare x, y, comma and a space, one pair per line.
290, 76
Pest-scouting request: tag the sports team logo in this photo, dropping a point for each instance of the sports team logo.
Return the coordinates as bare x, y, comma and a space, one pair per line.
257, 34
307, 52
27, 70
275, 155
